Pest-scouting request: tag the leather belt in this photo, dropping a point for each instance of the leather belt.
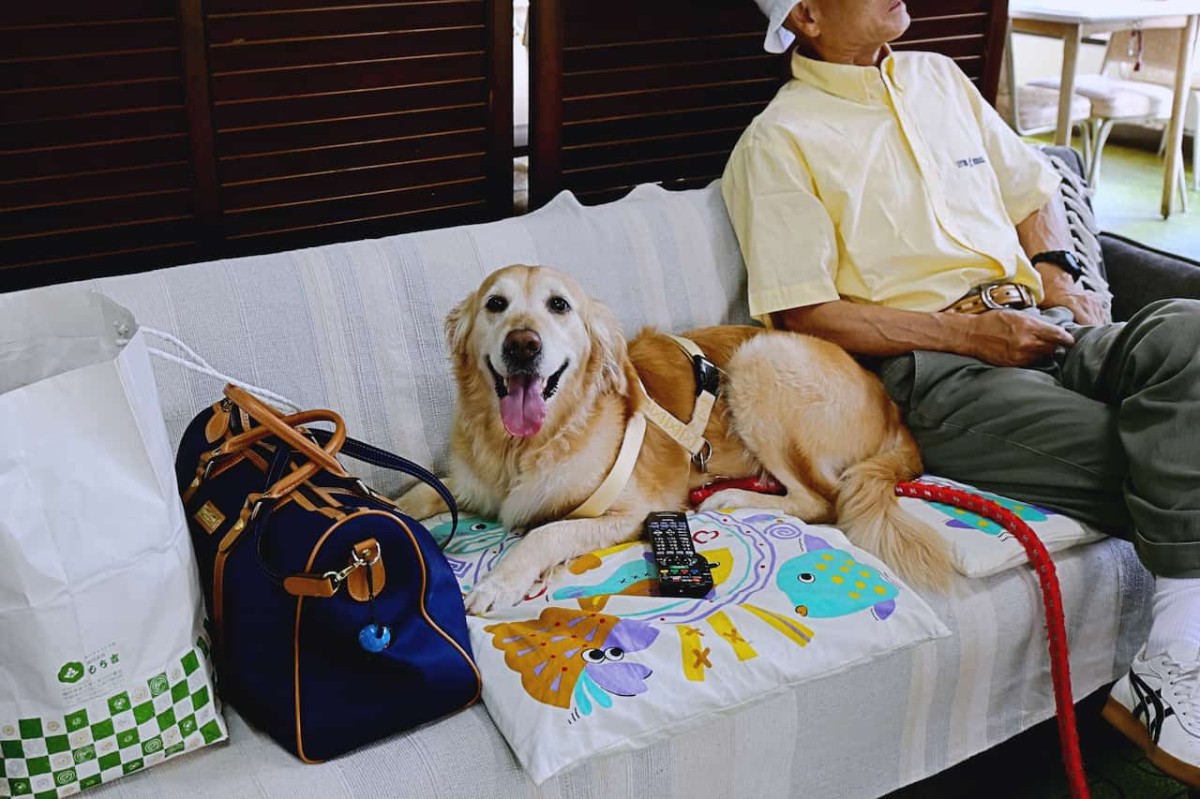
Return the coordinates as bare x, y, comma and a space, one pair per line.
993, 297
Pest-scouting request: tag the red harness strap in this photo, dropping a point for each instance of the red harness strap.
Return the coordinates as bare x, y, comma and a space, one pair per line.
759, 485
1060, 667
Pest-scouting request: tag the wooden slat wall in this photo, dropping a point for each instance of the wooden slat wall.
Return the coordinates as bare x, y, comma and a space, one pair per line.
204, 128
94, 154
626, 92
368, 117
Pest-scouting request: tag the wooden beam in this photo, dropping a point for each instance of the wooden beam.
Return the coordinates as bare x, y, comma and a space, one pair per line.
500, 108
194, 47
993, 50
545, 99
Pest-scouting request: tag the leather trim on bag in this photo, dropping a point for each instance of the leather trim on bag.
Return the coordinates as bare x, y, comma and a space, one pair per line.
310, 585
356, 581
217, 426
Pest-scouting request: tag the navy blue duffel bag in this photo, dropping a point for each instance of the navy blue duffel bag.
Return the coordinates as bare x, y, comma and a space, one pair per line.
337, 620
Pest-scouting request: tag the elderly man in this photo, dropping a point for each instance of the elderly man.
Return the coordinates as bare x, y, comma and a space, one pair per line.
882, 204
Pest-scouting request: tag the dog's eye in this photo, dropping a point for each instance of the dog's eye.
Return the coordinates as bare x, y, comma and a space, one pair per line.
806, 577
496, 303
558, 305
593, 655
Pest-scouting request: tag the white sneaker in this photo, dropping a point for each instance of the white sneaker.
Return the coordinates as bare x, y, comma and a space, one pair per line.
1157, 706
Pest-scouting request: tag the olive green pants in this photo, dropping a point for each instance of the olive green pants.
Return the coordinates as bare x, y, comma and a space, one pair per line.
1108, 431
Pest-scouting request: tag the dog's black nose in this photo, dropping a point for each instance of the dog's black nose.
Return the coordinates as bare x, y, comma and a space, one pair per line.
522, 347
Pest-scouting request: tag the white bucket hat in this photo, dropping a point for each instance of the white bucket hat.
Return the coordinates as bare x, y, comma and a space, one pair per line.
778, 38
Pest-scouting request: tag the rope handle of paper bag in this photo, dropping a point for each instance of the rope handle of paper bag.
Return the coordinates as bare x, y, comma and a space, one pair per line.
1056, 628
195, 362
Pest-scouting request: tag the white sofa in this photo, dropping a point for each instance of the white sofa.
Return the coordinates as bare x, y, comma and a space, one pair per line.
358, 327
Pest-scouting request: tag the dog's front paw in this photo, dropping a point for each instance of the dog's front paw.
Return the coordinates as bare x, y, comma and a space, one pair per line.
496, 591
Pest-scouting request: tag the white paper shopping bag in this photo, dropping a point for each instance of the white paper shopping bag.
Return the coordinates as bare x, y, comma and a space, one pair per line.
104, 666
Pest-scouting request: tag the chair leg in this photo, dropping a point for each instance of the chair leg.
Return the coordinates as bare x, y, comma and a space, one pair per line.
1102, 132
1085, 137
1085, 134
1196, 159
1181, 184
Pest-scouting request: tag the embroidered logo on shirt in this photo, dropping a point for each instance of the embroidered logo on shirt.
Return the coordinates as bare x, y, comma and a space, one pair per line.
976, 161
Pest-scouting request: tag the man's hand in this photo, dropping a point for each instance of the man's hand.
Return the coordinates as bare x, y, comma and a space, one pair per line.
1064, 292
1013, 338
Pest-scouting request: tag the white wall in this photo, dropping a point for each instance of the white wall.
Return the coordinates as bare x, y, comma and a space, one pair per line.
1041, 57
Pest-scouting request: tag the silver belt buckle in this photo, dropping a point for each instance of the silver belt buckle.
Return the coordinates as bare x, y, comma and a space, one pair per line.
985, 294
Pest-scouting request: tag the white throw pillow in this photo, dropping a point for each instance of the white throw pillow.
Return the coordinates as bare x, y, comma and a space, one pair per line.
979, 546
592, 663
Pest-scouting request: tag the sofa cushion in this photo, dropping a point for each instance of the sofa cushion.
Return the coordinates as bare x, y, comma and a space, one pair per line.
978, 546
594, 663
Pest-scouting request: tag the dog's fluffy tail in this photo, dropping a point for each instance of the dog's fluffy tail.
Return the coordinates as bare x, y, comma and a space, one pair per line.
868, 512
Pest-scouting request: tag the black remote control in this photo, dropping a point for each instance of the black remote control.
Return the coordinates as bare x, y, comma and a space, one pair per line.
681, 571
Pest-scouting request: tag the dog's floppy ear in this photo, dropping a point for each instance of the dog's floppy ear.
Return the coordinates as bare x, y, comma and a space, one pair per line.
610, 353
458, 325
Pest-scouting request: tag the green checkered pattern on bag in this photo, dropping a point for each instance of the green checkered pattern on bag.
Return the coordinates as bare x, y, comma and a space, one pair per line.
169, 713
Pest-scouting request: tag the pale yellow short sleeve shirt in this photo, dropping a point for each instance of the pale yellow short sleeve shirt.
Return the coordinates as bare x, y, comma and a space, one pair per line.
896, 185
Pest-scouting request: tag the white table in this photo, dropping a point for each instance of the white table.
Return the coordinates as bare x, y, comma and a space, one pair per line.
1071, 20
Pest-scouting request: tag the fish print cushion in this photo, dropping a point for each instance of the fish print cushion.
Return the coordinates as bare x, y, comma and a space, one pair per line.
979, 546
594, 661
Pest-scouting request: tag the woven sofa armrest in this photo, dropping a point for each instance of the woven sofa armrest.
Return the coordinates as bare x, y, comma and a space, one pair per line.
1139, 275
1069, 155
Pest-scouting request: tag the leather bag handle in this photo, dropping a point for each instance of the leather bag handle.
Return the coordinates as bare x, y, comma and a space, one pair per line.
305, 471
272, 423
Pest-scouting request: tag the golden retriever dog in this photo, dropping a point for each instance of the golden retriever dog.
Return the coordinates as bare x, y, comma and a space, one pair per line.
546, 383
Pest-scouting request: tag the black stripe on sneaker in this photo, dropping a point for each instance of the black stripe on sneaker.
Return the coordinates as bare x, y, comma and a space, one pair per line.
1150, 705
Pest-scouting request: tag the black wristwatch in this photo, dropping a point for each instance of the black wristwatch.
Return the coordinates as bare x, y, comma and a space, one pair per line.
1063, 259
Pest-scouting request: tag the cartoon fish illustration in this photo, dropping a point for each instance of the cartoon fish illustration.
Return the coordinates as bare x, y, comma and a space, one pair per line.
474, 535
825, 582
635, 578
962, 518
567, 655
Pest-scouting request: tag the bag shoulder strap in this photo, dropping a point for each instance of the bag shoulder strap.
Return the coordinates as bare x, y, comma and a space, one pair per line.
367, 453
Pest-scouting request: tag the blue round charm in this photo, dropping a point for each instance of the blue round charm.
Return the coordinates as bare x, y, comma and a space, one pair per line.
374, 637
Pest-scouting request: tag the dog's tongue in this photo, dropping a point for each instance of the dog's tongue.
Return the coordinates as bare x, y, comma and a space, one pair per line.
524, 409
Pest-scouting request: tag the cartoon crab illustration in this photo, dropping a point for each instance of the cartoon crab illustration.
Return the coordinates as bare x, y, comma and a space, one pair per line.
567, 655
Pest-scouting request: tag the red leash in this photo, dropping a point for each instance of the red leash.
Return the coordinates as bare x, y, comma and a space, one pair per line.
1056, 627
760, 485
1060, 668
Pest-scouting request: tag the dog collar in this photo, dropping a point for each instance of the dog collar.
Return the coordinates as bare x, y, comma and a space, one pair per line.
690, 436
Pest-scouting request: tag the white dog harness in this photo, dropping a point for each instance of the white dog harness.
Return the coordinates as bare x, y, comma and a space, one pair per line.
690, 436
